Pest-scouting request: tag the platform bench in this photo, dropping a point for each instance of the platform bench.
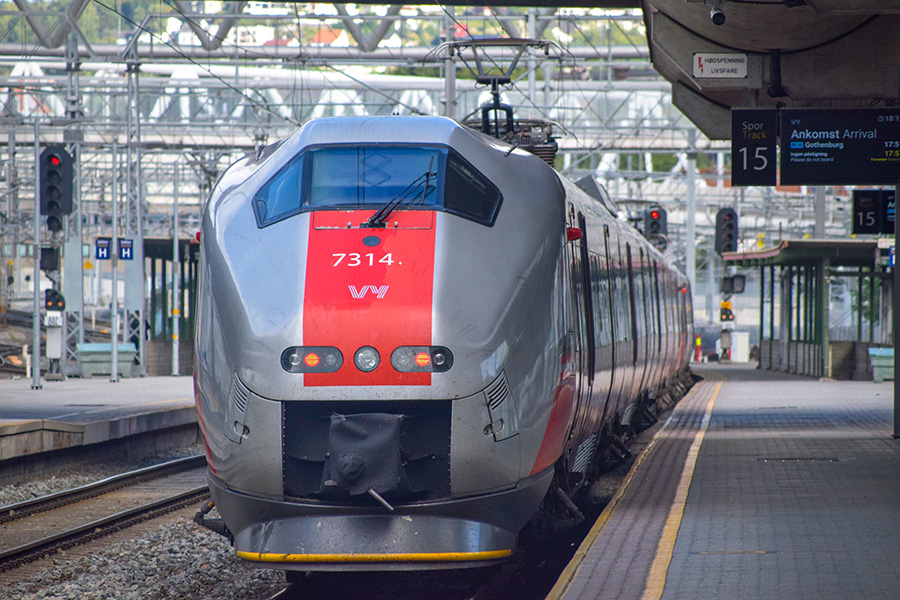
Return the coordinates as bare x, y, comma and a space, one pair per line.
96, 358
882, 360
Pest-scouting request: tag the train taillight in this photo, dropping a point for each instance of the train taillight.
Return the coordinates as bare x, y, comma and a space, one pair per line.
422, 359
311, 359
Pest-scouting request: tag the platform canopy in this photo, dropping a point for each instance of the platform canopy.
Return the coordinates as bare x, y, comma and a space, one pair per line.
796, 276
838, 253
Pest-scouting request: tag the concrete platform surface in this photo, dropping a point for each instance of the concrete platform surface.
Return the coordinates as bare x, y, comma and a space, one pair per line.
77, 412
760, 486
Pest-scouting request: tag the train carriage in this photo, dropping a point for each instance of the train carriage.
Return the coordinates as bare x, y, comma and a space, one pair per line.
409, 336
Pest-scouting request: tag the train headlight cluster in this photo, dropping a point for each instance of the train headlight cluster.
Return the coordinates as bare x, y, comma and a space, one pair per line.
405, 359
419, 359
311, 359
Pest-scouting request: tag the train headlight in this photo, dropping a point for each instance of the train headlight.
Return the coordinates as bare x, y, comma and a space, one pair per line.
311, 359
366, 359
422, 359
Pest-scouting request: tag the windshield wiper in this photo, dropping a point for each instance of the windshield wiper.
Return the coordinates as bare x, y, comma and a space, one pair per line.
381, 215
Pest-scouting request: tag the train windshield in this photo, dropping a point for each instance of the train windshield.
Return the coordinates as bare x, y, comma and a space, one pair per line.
373, 175
380, 176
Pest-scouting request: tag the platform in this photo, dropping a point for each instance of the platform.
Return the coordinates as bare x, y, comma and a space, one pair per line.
80, 412
760, 485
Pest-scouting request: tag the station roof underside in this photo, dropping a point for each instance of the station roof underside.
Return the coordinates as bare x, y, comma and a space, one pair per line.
846, 253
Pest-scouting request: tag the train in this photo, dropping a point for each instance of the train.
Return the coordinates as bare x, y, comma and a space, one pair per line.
414, 339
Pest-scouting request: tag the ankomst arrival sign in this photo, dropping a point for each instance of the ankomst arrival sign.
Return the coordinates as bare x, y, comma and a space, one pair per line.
840, 147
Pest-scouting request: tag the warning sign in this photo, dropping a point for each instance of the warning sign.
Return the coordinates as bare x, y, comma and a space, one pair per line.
708, 65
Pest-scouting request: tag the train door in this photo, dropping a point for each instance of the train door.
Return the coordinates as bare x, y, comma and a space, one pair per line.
645, 333
584, 316
621, 311
655, 350
635, 359
606, 378
662, 301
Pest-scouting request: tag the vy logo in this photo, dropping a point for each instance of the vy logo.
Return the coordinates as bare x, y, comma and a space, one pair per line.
361, 293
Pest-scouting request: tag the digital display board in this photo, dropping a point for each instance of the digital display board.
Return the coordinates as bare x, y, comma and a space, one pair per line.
753, 147
840, 146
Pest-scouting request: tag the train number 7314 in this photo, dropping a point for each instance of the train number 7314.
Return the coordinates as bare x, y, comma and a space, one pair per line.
355, 259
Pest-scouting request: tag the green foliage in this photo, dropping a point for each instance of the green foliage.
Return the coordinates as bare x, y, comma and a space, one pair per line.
663, 163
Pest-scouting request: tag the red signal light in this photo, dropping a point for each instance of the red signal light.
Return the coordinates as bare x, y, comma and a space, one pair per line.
654, 214
54, 160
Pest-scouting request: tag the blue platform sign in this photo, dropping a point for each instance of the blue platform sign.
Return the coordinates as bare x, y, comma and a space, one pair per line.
102, 248
126, 249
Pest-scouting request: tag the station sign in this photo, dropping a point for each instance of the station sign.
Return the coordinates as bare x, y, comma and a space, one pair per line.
840, 147
754, 147
126, 249
102, 247
873, 212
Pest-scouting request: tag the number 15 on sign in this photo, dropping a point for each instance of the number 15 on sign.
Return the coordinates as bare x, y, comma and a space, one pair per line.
753, 147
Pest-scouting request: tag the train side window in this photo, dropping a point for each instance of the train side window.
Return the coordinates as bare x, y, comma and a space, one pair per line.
468, 193
282, 196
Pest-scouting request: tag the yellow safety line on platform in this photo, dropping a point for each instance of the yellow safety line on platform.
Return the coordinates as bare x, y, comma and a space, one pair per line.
656, 579
568, 573
387, 557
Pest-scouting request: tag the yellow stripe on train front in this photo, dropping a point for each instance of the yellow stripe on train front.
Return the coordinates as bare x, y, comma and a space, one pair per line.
387, 557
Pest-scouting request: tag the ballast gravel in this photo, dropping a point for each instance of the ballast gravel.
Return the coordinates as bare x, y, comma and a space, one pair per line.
66, 479
177, 560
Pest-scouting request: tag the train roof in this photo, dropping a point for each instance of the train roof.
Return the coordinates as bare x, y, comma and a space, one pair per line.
378, 129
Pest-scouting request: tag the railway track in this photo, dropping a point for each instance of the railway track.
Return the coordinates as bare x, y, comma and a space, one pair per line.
41, 527
12, 363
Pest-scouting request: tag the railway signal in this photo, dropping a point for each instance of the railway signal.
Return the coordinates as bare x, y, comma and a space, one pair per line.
656, 228
725, 313
655, 222
726, 231
54, 300
56, 189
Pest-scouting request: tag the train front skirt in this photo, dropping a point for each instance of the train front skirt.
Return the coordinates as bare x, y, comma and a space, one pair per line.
435, 535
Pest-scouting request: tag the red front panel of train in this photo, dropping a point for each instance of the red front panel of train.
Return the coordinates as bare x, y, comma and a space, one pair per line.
369, 287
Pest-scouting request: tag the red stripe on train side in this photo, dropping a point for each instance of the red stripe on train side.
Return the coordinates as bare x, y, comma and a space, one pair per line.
555, 434
361, 293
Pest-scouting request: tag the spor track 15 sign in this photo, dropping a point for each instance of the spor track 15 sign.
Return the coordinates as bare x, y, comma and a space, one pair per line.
753, 147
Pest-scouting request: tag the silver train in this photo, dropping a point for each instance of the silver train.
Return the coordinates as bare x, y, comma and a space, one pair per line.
411, 339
